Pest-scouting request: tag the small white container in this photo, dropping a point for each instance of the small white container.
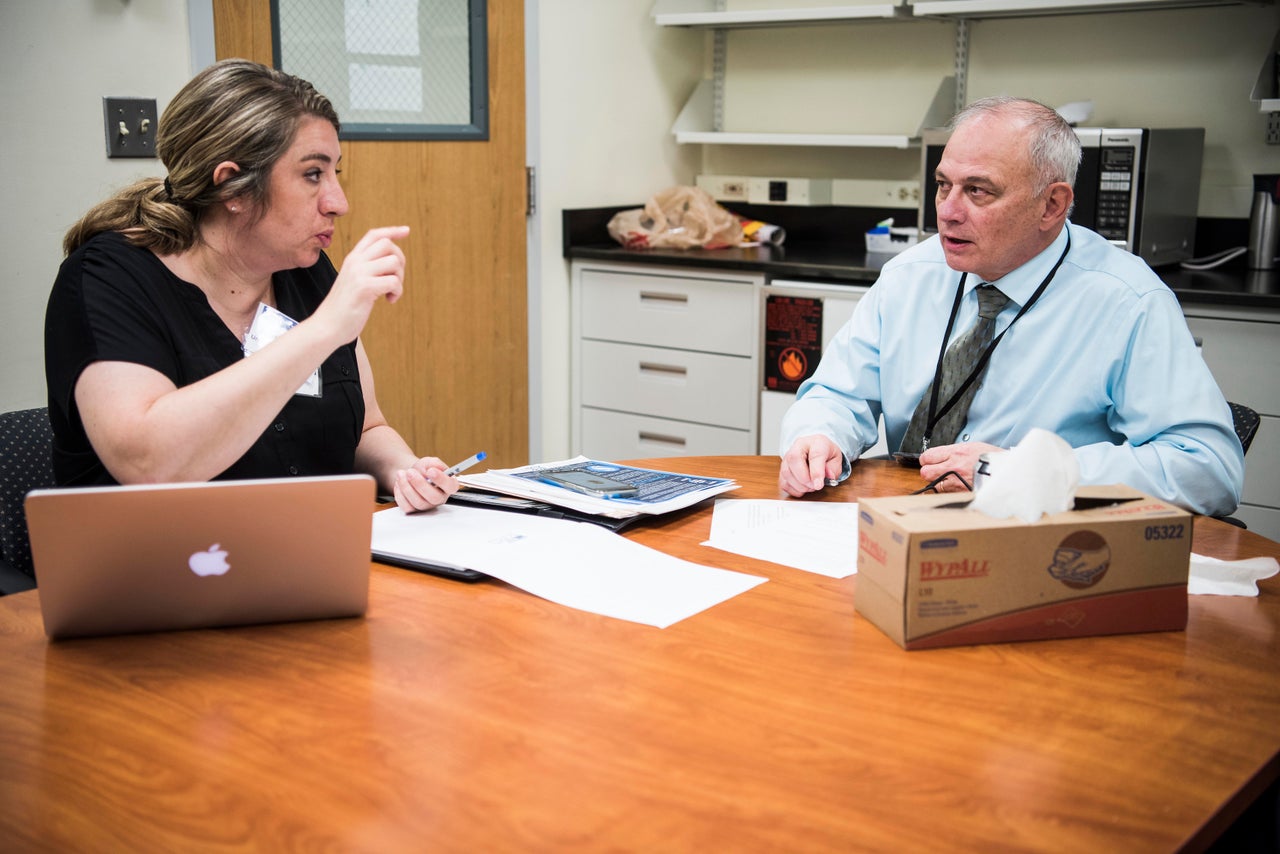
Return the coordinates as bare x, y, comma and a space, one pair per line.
891, 241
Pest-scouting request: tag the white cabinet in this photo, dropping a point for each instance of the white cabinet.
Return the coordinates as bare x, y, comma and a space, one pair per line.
665, 361
1242, 348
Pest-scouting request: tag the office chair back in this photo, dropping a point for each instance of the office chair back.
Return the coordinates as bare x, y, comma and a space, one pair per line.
1246, 423
26, 463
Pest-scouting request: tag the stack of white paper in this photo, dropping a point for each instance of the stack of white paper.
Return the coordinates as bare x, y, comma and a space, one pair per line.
577, 564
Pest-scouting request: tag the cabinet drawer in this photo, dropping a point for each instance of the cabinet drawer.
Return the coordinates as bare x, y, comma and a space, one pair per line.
1264, 521
699, 387
1244, 357
622, 436
666, 311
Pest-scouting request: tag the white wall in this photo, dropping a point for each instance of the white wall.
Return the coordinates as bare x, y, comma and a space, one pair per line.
58, 59
610, 84
1171, 68
1164, 68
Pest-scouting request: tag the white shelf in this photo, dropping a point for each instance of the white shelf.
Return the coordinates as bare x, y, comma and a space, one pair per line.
695, 125
845, 140
1021, 8
1266, 83
702, 13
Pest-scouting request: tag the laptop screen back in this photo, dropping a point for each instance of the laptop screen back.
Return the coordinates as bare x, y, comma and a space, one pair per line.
112, 560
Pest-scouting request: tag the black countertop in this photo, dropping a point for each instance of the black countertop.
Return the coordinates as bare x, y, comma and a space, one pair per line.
821, 250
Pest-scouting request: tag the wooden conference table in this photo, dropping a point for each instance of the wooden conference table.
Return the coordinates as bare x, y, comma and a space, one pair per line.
476, 717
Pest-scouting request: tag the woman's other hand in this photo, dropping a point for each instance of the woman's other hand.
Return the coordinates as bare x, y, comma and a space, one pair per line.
424, 485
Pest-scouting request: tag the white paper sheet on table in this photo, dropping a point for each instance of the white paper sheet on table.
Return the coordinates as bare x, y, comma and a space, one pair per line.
816, 536
576, 564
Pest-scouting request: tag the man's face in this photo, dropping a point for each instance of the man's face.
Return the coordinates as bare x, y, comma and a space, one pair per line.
988, 219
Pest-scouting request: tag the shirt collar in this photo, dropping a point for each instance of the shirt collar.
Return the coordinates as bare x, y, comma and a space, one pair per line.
1019, 285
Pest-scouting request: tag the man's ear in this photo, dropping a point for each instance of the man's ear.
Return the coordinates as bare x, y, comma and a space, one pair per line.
1057, 203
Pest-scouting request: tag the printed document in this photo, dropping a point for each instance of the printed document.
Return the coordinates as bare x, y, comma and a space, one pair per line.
815, 536
577, 564
656, 491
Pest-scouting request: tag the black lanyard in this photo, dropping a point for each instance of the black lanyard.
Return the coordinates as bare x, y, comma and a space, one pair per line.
934, 415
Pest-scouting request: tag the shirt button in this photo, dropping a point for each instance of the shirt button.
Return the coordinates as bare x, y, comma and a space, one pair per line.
346, 371
964, 438
293, 469
279, 426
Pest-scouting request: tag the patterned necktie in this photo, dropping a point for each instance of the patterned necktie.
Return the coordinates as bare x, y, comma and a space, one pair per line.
957, 365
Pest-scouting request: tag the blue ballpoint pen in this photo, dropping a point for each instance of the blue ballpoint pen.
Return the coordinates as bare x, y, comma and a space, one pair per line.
465, 464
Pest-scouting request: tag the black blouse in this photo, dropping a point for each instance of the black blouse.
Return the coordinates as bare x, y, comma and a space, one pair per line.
115, 302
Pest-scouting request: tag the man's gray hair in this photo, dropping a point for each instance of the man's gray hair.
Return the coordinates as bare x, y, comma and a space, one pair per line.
1054, 148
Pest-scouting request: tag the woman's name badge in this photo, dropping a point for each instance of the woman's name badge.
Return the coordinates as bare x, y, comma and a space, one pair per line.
268, 325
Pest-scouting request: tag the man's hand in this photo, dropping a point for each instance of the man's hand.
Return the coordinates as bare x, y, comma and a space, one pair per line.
961, 459
809, 464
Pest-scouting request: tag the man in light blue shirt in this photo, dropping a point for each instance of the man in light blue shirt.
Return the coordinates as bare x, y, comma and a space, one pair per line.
1094, 348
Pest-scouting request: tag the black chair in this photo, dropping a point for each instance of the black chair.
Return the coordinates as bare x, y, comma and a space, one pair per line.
1246, 423
26, 463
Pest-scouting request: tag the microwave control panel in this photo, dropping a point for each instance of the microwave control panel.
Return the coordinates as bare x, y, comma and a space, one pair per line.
1115, 191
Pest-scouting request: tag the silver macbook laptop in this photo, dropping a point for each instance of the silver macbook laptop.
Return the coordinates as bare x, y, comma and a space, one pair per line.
111, 560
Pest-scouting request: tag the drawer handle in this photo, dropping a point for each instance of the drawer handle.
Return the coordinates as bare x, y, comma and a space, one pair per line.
659, 439
670, 299
670, 371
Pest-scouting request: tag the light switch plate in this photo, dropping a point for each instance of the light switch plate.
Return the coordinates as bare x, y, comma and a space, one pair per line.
130, 125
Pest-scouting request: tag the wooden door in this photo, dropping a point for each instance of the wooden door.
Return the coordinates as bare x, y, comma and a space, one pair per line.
451, 357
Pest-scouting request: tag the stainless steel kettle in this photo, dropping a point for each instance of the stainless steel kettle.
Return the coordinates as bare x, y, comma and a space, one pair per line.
1264, 223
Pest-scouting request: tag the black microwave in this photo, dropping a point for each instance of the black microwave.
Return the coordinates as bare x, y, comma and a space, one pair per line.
1137, 187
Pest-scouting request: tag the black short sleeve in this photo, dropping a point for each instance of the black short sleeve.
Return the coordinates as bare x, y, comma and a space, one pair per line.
115, 302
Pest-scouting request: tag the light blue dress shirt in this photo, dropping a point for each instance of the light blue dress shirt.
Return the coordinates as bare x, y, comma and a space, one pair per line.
1104, 359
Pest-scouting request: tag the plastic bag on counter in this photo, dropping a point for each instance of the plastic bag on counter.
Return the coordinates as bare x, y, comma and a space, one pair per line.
680, 217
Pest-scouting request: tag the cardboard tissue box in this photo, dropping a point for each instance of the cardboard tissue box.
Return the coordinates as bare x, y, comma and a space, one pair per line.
884, 239
933, 574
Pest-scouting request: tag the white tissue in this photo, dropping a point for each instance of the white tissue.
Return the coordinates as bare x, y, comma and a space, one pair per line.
1039, 475
1229, 577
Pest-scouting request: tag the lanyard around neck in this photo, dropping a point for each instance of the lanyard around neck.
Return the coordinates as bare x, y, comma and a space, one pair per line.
936, 415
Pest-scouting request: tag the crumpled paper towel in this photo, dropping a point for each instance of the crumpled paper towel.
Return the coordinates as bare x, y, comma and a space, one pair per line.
1229, 577
1038, 475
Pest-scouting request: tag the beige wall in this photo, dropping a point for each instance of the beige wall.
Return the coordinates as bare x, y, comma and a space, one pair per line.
58, 59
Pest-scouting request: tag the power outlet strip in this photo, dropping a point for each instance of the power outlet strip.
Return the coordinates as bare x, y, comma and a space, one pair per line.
724, 188
876, 194
789, 191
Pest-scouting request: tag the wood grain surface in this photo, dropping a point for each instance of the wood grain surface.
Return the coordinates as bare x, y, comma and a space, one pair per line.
476, 717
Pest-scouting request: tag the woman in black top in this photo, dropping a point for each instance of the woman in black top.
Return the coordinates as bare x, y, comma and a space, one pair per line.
171, 350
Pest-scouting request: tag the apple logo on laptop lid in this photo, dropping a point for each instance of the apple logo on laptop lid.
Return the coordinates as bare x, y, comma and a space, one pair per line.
210, 562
